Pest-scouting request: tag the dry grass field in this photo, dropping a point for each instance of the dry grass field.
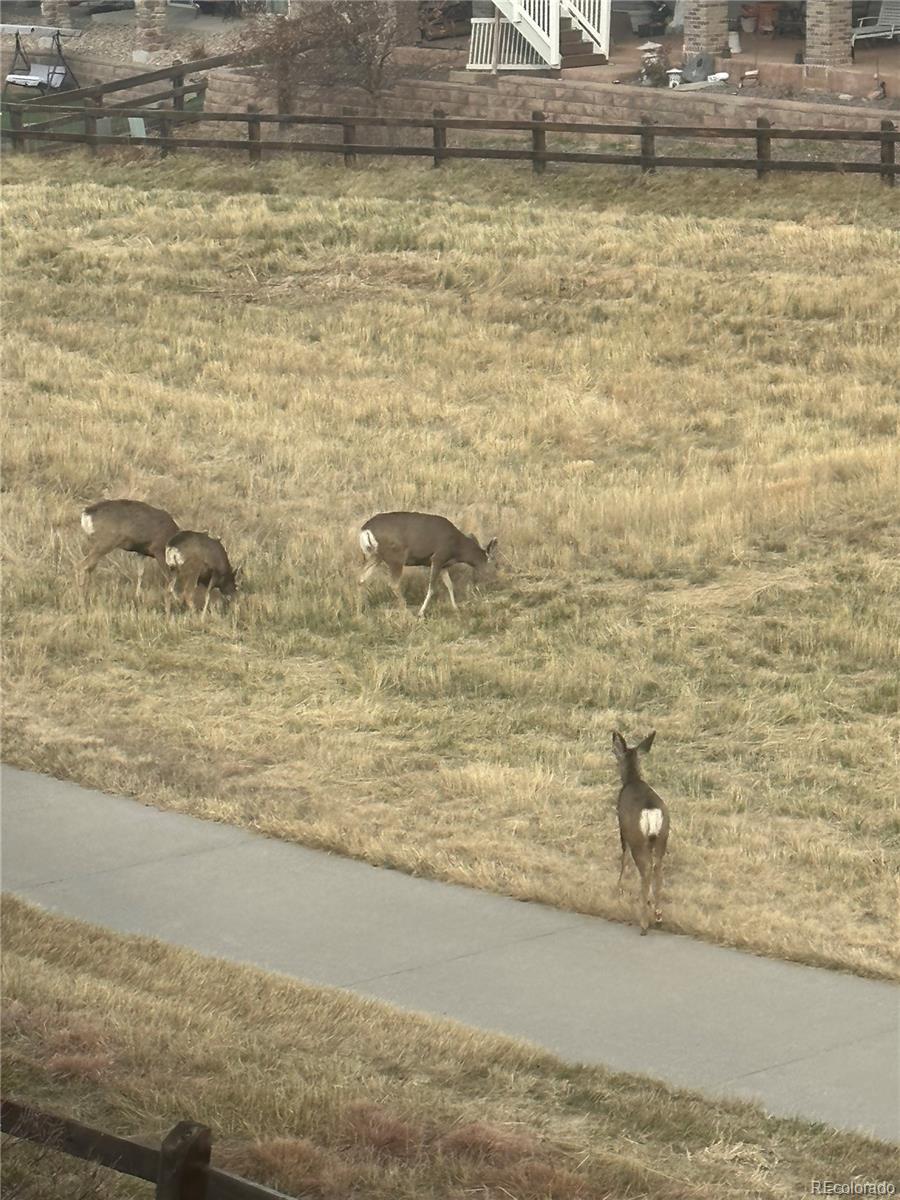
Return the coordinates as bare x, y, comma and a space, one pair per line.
675, 402
321, 1094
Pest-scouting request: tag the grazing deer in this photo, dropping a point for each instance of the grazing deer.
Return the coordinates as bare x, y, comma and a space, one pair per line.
126, 525
199, 560
643, 825
411, 539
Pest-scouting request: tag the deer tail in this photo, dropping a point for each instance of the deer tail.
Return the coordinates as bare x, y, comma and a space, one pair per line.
367, 542
651, 823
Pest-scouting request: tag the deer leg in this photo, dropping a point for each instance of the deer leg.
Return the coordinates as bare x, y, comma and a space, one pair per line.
89, 562
171, 593
620, 884
141, 568
396, 571
657, 887
160, 556
209, 588
644, 862
194, 584
448, 584
371, 565
432, 576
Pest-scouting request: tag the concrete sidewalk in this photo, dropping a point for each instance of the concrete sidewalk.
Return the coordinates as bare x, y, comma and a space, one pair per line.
800, 1040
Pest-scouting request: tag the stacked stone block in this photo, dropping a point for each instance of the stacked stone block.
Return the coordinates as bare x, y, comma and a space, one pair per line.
149, 36
828, 25
705, 27
54, 12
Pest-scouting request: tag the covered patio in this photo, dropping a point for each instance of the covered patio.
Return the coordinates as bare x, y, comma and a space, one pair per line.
823, 29
782, 61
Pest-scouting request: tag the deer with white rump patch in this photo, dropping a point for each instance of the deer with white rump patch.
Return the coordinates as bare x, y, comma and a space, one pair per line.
199, 560
126, 525
411, 539
643, 825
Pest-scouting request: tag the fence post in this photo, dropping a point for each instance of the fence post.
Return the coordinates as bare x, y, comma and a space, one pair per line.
253, 134
538, 143
440, 135
90, 123
648, 147
178, 82
763, 147
183, 1159
90, 132
888, 152
165, 131
348, 131
15, 127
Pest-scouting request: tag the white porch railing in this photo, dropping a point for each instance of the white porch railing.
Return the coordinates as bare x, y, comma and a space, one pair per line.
513, 52
528, 32
537, 21
593, 18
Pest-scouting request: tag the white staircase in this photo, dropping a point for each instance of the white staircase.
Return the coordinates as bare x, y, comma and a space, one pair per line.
540, 34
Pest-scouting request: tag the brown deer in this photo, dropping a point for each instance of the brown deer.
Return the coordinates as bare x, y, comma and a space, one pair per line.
643, 825
126, 525
198, 560
411, 539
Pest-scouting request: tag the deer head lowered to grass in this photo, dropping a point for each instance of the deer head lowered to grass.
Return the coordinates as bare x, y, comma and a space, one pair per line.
643, 825
412, 539
199, 560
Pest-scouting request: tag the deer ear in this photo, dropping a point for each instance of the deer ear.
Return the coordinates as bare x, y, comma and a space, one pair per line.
491, 548
618, 744
644, 746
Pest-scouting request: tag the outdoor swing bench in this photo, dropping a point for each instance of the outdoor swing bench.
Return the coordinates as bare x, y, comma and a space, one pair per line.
45, 77
885, 25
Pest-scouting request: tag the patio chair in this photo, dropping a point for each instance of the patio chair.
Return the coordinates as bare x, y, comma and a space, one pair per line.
885, 25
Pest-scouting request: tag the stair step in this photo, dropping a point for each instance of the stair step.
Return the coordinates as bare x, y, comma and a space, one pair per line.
588, 59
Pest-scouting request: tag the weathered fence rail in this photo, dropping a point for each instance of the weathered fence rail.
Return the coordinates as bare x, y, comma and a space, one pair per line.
646, 156
180, 1167
95, 102
175, 73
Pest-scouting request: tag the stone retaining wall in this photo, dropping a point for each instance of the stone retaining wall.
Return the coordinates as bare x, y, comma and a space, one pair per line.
232, 90
564, 100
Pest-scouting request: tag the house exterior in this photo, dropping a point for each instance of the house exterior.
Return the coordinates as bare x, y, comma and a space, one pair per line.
828, 27
537, 34
540, 34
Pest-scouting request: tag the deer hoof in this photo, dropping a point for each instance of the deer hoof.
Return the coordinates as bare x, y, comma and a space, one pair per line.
643, 931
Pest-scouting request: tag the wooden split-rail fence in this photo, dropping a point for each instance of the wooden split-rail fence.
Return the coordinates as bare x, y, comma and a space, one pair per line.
161, 126
73, 106
179, 1168
167, 129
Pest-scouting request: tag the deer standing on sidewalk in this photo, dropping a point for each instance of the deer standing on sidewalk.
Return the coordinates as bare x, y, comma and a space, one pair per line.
198, 560
126, 525
411, 539
643, 825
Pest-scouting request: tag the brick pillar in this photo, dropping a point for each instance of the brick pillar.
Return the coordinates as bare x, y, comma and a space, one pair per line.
705, 26
828, 24
149, 34
54, 12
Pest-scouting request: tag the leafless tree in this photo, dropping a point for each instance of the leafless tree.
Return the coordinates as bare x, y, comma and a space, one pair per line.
337, 43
